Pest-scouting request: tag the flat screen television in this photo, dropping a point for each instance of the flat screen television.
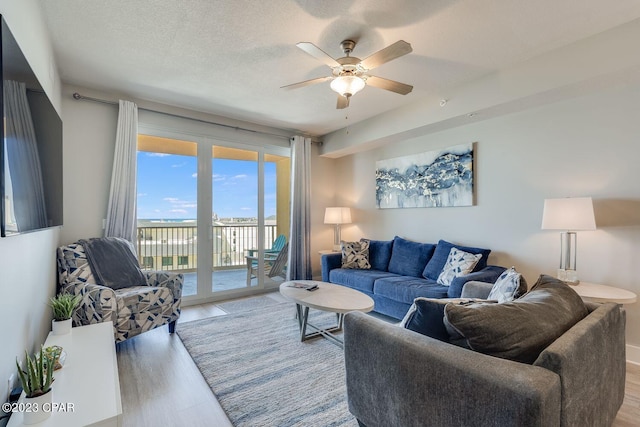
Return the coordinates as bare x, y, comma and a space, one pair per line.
31, 154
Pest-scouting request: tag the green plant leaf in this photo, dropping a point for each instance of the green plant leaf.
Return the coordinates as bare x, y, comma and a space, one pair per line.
37, 379
64, 305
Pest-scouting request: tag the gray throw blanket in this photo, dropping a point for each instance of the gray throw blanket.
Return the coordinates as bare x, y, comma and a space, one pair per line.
113, 262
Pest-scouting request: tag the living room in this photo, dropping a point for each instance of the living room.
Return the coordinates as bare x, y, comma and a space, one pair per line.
561, 121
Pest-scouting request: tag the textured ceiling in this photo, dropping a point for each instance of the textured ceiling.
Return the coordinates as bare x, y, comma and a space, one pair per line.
231, 57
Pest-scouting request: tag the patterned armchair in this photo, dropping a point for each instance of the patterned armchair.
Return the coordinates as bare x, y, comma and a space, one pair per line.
132, 310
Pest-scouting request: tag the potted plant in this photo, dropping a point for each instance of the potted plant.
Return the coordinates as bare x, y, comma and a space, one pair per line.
36, 383
57, 354
63, 306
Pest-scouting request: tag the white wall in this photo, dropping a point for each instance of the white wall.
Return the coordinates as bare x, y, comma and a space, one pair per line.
89, 138
27, 262
584, 146
325, 192
587, 65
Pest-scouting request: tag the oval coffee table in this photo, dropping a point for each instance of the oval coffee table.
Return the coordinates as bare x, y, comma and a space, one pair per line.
327, 297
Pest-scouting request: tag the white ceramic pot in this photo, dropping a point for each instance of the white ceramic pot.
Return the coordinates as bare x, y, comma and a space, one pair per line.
37, 409
61, 327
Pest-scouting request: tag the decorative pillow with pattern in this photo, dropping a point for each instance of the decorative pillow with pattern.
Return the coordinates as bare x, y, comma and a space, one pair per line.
356, 254
458, 263
509, 286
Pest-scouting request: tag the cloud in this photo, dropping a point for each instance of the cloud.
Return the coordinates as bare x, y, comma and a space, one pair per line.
157, 154
179, 165
240, 176
180, 211
194, 175
180, 204
246, 209
142, 194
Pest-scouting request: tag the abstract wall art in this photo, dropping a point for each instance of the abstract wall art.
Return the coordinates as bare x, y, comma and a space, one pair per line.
438, 178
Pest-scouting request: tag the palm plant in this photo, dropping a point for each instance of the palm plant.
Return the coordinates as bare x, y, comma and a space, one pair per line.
37, 379
64, 305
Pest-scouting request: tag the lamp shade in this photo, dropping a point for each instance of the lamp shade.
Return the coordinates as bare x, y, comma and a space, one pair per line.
571, 214
337, 215
347, 85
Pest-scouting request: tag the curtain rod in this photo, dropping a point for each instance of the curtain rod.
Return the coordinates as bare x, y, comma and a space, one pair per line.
78, 97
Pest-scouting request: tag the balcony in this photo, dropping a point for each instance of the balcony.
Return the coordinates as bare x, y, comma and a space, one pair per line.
174, 247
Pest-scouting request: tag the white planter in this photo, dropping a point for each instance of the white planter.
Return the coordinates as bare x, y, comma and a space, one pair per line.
61, 327
37, 409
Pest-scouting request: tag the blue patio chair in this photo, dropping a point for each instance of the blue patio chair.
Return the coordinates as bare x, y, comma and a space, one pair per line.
278, 244
275, 264
276, 247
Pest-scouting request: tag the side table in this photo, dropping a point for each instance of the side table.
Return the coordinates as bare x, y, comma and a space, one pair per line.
601, 293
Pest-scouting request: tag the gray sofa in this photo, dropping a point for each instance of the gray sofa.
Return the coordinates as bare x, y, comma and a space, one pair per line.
397, 377
402, 270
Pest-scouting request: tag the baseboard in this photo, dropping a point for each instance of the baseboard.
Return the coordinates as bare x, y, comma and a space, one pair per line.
633, 354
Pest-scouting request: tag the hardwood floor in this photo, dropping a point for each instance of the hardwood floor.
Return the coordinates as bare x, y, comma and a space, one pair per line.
629, 413
160, 384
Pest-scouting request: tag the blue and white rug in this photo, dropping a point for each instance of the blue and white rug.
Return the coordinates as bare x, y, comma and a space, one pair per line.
263, 375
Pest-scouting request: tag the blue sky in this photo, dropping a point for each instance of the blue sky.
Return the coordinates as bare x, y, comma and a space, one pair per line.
167, 187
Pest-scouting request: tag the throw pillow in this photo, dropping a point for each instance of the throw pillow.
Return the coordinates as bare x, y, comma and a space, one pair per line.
517, 330
409, 258
426, 316
458, 264
380, 254
439, 259
509, 286
356, 254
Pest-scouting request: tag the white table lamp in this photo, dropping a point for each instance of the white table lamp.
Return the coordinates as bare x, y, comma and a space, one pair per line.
337, 216
568, 214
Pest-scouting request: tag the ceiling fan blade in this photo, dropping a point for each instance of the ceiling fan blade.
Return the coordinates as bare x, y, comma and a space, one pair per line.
343, 102
391, 85
318, 53
306, 83
387, 54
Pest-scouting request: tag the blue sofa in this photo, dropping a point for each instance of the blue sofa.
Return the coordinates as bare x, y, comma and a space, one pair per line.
402, 270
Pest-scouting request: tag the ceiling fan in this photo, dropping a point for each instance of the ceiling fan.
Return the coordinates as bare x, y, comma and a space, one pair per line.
350, 74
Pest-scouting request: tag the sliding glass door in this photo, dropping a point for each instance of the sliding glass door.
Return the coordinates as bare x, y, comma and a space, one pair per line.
235, 204
167, 207
250, 221
217, 212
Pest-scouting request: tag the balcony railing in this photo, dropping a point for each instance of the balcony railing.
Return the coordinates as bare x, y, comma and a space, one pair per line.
175, 247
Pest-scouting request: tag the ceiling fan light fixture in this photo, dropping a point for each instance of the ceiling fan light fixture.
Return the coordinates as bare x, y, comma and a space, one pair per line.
347, 85
349, 75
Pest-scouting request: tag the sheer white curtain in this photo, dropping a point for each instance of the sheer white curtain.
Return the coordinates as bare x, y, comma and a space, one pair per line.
121, 213
24, 180
299, 265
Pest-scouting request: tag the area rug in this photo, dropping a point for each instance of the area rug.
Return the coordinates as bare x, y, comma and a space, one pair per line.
248, 304
263, 375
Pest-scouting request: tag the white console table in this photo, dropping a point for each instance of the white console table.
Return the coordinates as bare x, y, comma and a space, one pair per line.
89, 379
